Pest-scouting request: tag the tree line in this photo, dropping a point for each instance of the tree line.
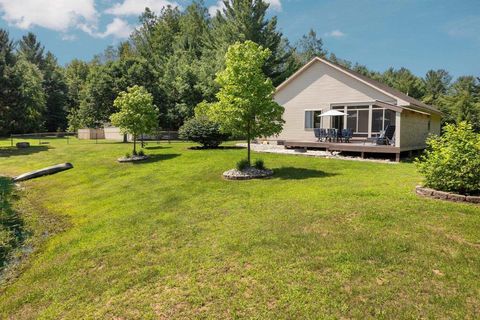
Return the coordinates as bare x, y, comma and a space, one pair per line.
176, 55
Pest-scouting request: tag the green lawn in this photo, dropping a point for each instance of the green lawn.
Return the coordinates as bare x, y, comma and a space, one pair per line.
170, 238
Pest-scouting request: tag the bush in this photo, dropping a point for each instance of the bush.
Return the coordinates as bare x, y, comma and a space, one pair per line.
259, 164
242, 164
202, 130
452, 162
127, 155
141, 153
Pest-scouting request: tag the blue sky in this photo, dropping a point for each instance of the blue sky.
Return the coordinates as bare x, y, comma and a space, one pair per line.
417, 34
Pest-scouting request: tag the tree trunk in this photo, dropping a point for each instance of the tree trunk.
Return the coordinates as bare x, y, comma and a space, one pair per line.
134, 144
125, 138
248, 148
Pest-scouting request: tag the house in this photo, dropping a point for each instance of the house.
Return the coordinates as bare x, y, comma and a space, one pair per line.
369, 107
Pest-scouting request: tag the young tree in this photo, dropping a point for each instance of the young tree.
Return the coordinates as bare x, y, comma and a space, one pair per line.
138, 115
245, 104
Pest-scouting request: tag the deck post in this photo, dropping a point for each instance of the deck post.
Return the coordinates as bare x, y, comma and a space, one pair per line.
397, 157
362, 155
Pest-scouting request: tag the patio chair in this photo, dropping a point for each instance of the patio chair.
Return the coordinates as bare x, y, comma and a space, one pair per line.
323, 134
387, 137
347, 134
331, 134
340, 136
317, 133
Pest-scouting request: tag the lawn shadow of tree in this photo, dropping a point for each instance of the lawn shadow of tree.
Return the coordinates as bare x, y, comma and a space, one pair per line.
291, 173
158, 157
157, 147
216, 148
14, 151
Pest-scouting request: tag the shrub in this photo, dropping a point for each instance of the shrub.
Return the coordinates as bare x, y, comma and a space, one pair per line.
259, 164
242, 164
141, 153
452, 162
134, 153
202, 130
127, 155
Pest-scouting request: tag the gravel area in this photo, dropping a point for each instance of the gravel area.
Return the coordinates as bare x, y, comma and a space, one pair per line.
273, 148
247, 174
132, 159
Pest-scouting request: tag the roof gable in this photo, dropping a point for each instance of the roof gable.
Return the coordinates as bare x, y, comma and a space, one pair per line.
366, 80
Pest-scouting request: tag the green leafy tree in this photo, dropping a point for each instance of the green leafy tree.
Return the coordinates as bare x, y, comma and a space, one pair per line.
76, 73
56, 93
463, 102
452, 162
7, 86
137, 114
29, 98
245, 104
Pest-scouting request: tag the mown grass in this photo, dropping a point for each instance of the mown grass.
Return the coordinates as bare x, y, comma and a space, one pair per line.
170, 238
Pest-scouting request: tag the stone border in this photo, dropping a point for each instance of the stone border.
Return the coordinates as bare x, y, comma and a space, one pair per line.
247, 174
132, 159
449, 196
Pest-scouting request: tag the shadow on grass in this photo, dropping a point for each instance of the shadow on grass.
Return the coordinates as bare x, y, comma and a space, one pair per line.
157, 157
157, 147
14, 151
291, 173
217, 148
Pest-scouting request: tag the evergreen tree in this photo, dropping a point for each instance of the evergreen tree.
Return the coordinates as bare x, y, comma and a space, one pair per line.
7, 101
437, 83
243, 20
31, 49
309, 47
56, 92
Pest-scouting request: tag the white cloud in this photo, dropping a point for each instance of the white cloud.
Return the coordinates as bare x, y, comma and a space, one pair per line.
118, 28
59, 15
275, 5
335, 34
136, 7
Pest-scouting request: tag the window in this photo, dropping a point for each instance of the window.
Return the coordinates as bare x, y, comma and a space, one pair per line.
352, 120
382, 118
362, 121
312, 119
389, 118
377, 120
337, 122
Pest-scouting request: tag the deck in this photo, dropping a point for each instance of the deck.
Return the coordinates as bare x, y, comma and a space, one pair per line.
353, 146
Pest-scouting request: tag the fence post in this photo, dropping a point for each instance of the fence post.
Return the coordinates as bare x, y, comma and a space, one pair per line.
11, 140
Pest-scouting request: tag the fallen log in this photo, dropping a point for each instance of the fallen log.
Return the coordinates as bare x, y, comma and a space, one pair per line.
43, 172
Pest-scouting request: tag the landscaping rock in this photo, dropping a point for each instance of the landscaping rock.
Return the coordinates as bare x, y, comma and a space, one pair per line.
132, 159
450, 196
43, 172
473, 199
247, 174
440, 195
456, 197
22, 145
424, 191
